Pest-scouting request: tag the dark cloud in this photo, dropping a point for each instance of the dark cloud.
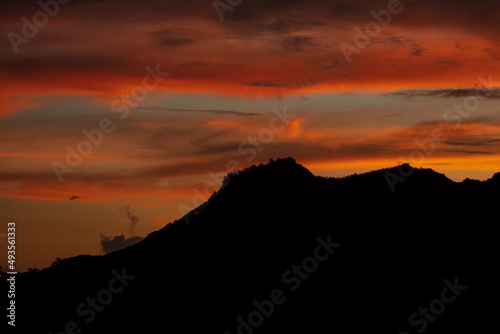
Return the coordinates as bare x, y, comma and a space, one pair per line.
464, 143
111, 244
473, 15
72, 198
296, 43
218, 112
176, 41
400, 40
471, 152
417, 51
479, 15
462, 47
483, 142
335, 64
493, 53
172, 39
492, 93
293, 26
262, 26
289, 83
449, 62
439, 163
196, 64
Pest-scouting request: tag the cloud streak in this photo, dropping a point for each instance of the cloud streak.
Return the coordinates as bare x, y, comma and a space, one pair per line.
492, 93
216, 112
288, 83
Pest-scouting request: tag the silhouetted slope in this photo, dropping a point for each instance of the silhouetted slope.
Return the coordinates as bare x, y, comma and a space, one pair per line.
396, 250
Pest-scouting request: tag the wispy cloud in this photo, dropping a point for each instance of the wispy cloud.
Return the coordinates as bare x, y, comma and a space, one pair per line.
483, 142
400, 40
133, 219
211, 111
417, 51
492, 93
296, 43
172, 39
471, 152
493, 53
448, 62
288, 83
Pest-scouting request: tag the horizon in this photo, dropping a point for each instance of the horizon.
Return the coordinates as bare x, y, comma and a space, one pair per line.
116, 116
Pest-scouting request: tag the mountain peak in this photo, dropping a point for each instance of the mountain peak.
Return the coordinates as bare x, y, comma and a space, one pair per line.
275, 171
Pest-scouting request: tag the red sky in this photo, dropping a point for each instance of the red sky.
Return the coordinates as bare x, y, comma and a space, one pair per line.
419, 74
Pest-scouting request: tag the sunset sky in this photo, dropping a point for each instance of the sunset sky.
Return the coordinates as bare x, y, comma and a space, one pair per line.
315, 80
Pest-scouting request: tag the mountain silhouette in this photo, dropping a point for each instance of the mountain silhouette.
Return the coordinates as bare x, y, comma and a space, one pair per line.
369, 257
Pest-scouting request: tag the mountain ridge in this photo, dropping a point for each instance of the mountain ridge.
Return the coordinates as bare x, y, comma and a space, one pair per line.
252, 176
266, 218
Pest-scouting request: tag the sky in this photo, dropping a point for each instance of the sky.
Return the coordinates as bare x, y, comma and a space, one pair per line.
116, 117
